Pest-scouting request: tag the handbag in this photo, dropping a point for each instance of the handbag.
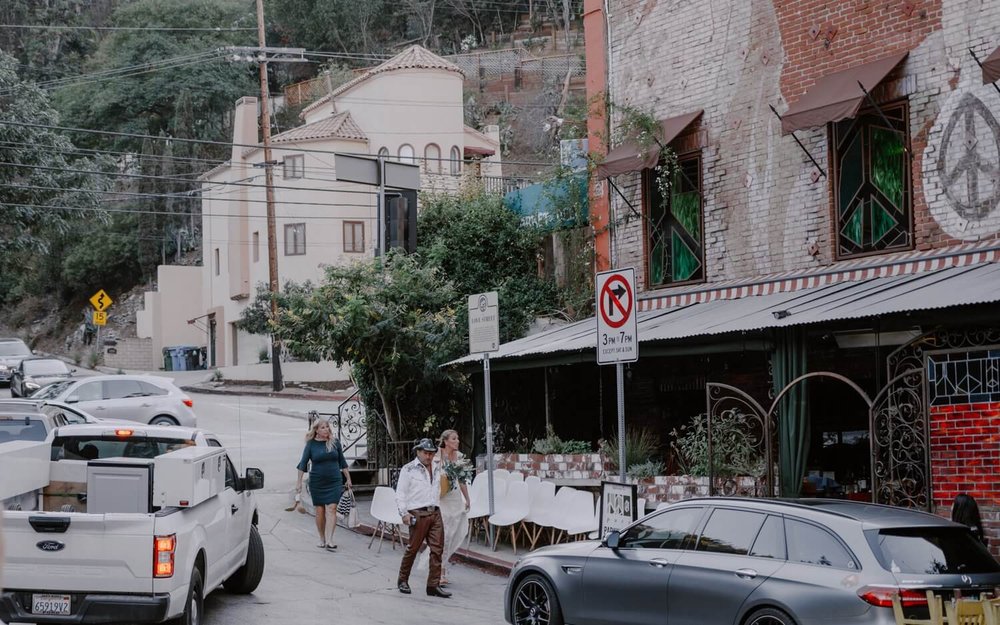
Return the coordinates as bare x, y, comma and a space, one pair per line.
346, 503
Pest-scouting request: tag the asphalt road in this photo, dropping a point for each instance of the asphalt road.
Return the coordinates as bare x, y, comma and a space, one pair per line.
303, 584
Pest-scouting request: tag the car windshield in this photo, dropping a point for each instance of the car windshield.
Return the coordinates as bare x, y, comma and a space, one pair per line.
51, 391
45, 367
14, 348
931, 550
98, 447
21, 429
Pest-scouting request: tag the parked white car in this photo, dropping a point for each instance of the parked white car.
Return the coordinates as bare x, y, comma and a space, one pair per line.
143, 398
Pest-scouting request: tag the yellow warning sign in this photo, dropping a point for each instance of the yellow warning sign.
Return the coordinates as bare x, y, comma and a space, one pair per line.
100, 317
101, 301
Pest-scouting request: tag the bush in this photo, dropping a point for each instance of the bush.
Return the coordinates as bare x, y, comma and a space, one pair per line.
94, 359
640, 447
651, 468
552, 444
732, 446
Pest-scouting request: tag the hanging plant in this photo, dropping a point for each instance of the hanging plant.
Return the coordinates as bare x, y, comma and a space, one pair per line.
644, 130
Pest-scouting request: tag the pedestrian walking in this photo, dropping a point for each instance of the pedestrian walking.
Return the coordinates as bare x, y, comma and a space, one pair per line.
456, 472
965, 510
418, 495
323, 459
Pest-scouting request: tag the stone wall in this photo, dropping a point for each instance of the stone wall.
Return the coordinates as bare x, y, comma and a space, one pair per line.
132, 354
766, 208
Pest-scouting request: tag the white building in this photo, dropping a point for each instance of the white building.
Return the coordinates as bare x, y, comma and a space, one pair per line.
409, 108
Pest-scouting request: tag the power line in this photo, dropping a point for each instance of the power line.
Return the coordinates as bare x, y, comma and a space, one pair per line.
140, 211
213, 162
217, 29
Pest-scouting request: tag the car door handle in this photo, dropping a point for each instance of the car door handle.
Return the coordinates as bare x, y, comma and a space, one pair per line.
99, 408
658, 563
746, 573
234, 508
146, 405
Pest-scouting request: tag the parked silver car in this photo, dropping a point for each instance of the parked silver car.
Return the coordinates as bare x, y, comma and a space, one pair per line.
12, 351
35, 372
752, 562
143, 398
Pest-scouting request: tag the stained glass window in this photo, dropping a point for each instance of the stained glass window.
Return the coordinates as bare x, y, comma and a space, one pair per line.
872, 182
676, 251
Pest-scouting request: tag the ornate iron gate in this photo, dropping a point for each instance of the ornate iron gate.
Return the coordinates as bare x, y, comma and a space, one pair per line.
899, 433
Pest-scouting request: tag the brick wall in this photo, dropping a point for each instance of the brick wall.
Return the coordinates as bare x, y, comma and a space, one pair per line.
762, 208
965, 454
132, 354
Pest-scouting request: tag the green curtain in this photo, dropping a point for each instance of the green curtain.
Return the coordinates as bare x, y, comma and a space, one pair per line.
788, 363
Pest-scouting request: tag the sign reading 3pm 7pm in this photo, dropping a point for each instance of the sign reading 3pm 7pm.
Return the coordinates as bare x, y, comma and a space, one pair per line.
617, 333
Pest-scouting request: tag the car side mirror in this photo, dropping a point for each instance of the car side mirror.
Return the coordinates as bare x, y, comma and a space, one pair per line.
612, 539
254, 479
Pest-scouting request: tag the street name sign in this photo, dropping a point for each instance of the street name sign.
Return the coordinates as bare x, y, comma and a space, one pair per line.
101, 301
617, 334
484, 323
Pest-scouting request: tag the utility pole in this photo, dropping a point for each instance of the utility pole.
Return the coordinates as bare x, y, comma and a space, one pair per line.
272, 237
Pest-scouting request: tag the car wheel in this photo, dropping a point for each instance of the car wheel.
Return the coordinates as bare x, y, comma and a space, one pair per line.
246, 579
535, 603
769, 616
195, 602
163, 420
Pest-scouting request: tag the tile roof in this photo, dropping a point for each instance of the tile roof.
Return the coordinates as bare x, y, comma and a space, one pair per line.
414, 57
340, 126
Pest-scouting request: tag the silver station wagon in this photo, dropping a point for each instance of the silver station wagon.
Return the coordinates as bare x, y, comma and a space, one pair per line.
731, 561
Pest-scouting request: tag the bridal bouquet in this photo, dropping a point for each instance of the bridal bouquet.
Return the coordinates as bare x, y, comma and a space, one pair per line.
459, 472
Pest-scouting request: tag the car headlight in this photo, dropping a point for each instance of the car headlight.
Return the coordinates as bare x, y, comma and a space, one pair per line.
29, 383
4, 368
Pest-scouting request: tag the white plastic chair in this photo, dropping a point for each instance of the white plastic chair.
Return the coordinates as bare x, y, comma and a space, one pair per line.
501, 474
515, 506
555, 510
640, 508
531, 478
479, 505
516, 476
384, 511
662, 505
541, 499
581, 517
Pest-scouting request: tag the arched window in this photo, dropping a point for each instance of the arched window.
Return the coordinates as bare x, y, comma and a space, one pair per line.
456, 160
383, 152
432, 158
406, 154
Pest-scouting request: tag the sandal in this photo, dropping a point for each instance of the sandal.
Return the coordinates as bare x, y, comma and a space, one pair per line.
322, 545
331, 547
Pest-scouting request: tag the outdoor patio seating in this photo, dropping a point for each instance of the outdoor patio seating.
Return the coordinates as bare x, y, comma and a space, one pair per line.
516, 476
580, 517
541, 498
513, 509
384, 510
968, 612
934, 607
557, 509
479, 505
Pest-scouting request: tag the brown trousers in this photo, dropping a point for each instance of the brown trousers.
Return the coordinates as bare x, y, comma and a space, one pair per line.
429, 529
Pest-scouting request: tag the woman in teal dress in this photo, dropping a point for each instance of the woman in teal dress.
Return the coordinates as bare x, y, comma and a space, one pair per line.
324, 460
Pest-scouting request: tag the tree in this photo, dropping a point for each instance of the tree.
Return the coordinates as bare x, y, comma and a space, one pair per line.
392, 315
35, 164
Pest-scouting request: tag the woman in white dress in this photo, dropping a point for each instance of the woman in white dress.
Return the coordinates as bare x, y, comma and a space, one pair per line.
454, 503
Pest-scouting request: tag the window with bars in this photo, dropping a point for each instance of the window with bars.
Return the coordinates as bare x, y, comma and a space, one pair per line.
674, 239
293, 166
295, 239
871, 182
354, 236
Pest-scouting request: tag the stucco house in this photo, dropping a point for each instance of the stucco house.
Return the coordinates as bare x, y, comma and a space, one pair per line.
409, 109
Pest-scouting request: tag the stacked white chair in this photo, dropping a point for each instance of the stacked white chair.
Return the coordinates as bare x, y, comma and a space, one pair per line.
501, 474
479, 506
515, 506
556, 510
384, 511
541, 501
532, 478
581, 517
516, 476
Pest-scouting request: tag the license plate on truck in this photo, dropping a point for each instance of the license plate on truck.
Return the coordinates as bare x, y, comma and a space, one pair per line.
50, 604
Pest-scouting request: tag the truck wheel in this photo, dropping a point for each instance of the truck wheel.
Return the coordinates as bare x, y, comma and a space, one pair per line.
195, 602
246, 579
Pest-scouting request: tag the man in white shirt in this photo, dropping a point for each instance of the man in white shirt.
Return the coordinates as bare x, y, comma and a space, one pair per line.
418, 493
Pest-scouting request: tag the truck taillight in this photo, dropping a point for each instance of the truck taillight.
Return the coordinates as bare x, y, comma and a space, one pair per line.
881, 596
163, 555
188, 402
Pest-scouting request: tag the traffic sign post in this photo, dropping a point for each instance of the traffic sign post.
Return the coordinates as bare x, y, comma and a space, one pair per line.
484, 337
101, 302
617, 336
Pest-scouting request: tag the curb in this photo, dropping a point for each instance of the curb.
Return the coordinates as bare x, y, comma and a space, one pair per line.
489, 564
247, 391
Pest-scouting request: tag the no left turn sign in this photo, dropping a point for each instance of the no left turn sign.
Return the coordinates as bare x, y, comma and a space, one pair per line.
617, 336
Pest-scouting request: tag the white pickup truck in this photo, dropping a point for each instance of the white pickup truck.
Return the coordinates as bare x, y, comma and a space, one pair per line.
129, 526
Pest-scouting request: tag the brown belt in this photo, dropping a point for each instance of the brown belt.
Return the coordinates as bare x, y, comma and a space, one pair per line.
424, 511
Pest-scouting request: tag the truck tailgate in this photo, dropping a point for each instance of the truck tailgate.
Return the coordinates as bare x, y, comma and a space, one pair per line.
79, 552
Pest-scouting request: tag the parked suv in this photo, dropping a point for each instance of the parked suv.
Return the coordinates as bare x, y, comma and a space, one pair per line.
727, 561
12, 351
144, 398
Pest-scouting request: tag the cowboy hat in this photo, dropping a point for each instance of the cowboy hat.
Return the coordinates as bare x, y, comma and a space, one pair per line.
425, 444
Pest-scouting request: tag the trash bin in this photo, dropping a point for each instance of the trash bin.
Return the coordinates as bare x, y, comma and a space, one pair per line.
192, 356
176, 358
168, 363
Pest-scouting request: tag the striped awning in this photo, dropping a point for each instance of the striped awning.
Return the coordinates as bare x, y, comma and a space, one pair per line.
950, 286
